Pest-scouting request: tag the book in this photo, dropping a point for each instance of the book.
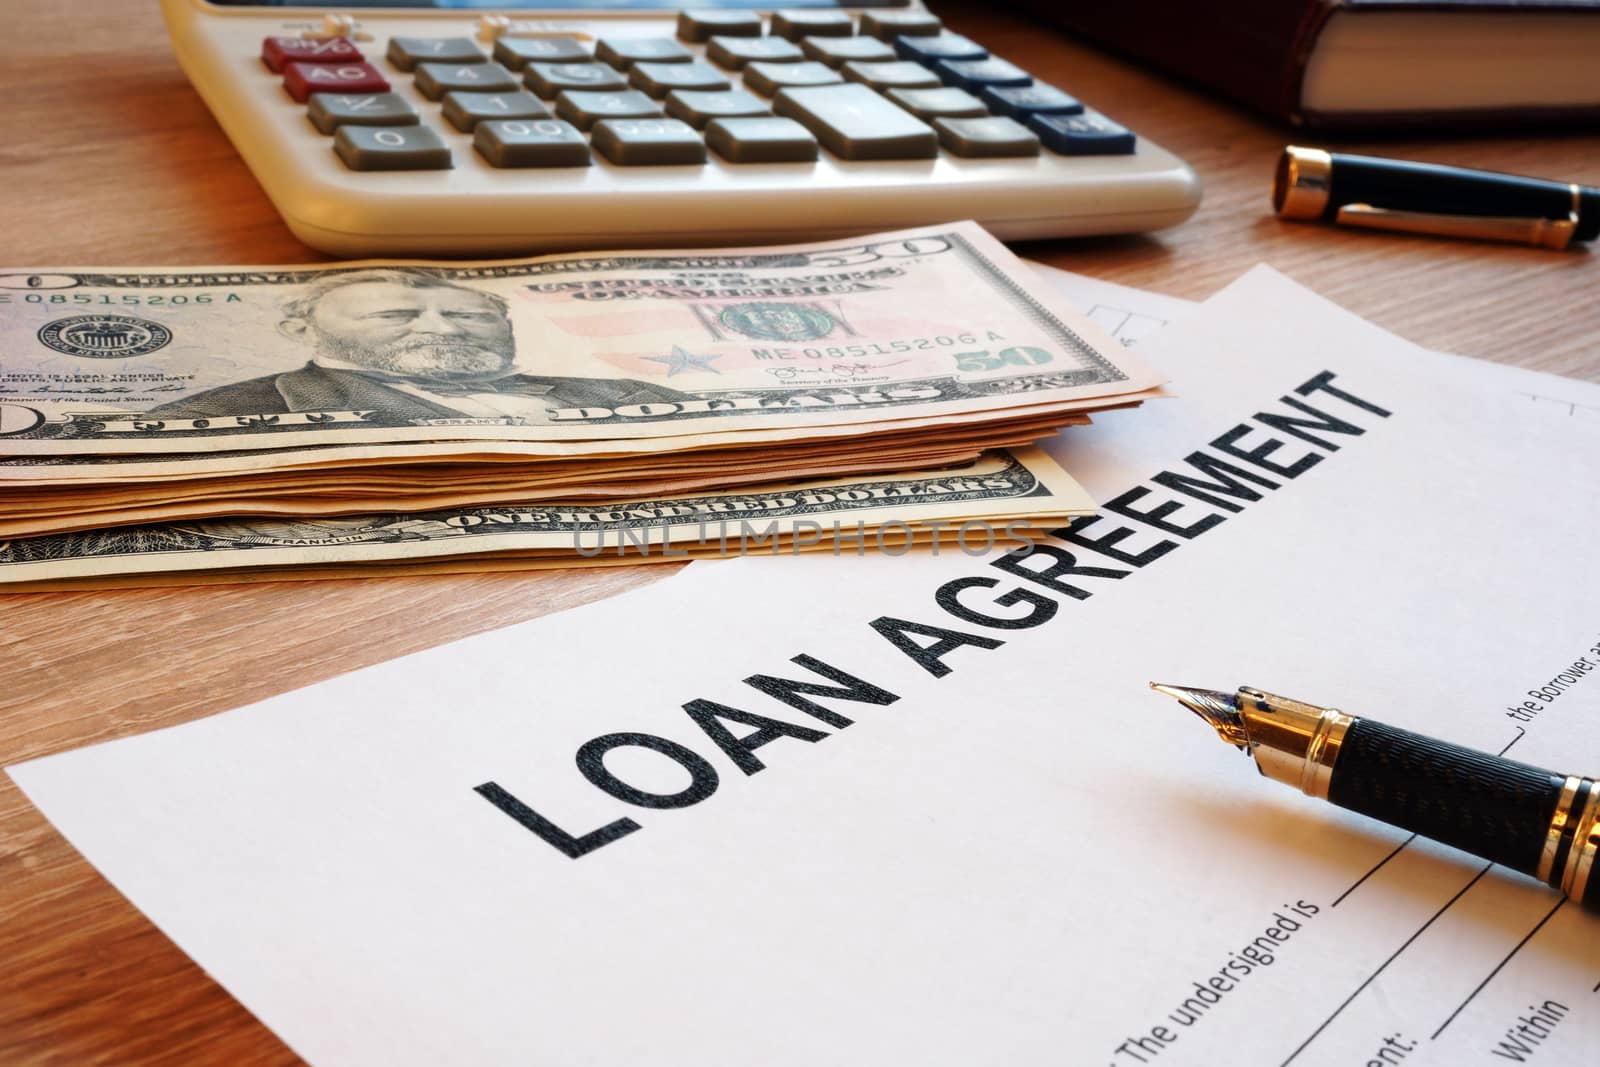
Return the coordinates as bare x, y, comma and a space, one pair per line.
1365, 64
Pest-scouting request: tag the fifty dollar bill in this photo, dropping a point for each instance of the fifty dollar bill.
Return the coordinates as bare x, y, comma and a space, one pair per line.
919, 324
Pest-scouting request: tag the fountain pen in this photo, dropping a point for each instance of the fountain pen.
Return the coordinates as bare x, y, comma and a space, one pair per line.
1398, 194
1529, 819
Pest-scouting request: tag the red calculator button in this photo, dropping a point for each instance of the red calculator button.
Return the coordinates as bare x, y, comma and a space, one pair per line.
303, 79
276, 51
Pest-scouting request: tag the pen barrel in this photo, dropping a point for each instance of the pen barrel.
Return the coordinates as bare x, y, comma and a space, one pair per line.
1432, 188
1523, 817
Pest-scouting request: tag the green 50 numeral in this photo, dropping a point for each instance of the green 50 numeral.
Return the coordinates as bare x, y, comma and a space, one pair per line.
1024, 356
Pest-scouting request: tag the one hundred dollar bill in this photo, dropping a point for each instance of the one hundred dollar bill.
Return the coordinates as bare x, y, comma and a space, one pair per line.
920, 324
1001, 490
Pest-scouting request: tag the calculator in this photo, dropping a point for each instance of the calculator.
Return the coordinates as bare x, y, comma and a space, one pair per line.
470, 128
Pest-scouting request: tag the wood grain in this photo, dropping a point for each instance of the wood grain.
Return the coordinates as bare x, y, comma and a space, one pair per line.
110, 158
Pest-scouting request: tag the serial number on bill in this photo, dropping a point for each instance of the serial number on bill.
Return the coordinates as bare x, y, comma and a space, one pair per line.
875, 348
122, 299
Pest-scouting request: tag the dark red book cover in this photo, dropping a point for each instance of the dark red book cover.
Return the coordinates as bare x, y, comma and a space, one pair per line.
1255, 51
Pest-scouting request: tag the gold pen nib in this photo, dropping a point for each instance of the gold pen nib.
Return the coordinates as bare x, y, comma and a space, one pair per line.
1218, 709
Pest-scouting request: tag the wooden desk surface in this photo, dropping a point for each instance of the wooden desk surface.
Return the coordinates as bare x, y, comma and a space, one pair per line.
110, 158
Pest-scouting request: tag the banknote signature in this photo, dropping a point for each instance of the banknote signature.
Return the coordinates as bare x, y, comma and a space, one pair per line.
828, 373
91, 390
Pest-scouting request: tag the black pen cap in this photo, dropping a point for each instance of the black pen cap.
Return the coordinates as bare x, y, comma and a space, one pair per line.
1314, 184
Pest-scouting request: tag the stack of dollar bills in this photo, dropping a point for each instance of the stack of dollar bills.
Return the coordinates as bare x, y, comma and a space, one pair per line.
226, 423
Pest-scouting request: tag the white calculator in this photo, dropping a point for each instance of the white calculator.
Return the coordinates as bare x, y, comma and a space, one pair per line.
471, 128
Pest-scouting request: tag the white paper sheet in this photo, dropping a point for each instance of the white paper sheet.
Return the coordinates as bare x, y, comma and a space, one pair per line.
1028, 860
1132, 315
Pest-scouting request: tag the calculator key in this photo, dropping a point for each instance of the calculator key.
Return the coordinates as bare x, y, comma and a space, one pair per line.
517, 52
407, 52
939, 103
944, 46
659, 79
550, 80
584, 109
732, 53
648, 142
329, 111
697, 109
1024, 100
794, 25
391, 148
837, 51
435, 79
466, 110
887, 25
853, 122
994, 135
762, 140
899, 74
624, 52
530, 143
768, 78
974, 74
300, 80
1088, 134
700, 26
276, 51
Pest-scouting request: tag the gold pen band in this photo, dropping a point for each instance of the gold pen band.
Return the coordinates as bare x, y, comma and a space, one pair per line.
1293, 742
1573, 839
1556, 834
1303, 183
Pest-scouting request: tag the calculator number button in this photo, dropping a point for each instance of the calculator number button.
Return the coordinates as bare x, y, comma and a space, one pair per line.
700, 26
436, 79
391, 148
466, 110
697, 109
550, 80
406, 52
887, 25
624, 52
583, 110
531, 143
518, 52
659, 79
794, 25
733, 53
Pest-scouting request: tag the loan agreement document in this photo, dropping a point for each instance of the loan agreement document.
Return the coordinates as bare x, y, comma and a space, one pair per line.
923, 809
